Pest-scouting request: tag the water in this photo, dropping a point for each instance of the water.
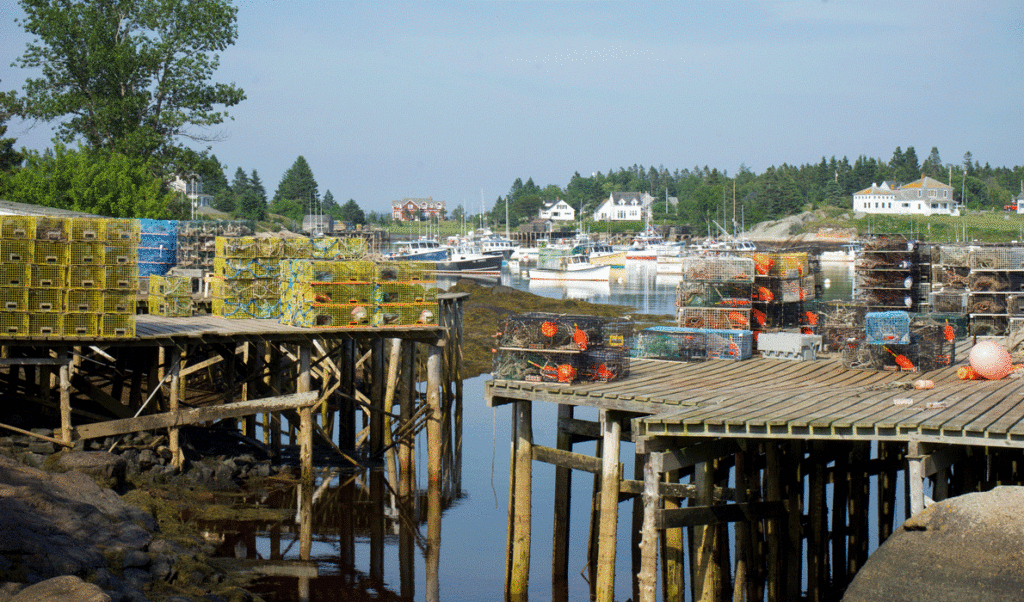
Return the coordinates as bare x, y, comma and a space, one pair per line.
473, 528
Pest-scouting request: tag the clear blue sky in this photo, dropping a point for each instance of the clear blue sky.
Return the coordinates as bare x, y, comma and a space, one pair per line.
455, 100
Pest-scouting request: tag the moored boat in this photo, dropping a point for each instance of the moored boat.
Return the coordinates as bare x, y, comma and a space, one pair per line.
567, 266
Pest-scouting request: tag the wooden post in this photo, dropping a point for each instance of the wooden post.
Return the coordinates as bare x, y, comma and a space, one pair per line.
522, 468
433, 555
563, 495
794, 485
391, 391
648, 576
376, 518
840, 495
860, 491
773, 492
636, 528
673, 558
817, 548
407, 394
610, 479
706, 574
886, 491
249, 361
172, 406
744, 580
915, 477
346, 408
303, 385
65, 394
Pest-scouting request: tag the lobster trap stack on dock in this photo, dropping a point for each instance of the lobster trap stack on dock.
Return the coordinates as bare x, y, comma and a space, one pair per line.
714, 293
677, 343
196, 244
158, 246
894, 341
995, 288
544, 347
784, 286
245, 281
74, 276
170, 296
888, 274
331, 294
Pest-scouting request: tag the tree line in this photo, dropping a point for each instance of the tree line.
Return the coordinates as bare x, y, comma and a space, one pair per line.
706, 195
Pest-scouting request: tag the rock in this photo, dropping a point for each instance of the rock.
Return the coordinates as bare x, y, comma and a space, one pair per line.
108, 469
66, 588
135, 559
965, 549
147, 459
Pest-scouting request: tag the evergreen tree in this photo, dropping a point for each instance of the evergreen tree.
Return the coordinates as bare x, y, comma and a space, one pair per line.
350, 212
932, 166
257, 187
298, 184
9, 158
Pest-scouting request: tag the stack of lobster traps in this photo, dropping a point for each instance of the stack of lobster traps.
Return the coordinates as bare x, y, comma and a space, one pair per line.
196, 244
68, 276
893, 340
245, 282
785, 286
995, 288
170, 296
318, 293
888, 274
692, 344
158, 246
558, 348
715, 293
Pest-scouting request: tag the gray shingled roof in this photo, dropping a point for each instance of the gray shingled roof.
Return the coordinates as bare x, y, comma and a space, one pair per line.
12, 208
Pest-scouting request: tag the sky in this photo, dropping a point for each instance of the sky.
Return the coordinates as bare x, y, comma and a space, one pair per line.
455, 100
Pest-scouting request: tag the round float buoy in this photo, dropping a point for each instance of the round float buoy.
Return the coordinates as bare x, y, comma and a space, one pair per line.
990, 360
828, 283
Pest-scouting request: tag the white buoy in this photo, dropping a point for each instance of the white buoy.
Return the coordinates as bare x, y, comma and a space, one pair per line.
828, 283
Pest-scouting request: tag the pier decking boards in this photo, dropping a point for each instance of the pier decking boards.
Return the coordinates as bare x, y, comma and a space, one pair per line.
769, 447
788, 399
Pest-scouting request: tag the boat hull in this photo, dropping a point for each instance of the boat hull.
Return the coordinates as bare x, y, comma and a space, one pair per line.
589, 273
479, 264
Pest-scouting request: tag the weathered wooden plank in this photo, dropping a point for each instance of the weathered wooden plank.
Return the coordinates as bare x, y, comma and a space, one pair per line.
194, 415
566, 459
711, 515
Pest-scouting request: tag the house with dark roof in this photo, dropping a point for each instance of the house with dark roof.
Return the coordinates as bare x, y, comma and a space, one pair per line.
557, 210
624, 206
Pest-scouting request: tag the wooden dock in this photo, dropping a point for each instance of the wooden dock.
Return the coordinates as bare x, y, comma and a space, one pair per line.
725, 451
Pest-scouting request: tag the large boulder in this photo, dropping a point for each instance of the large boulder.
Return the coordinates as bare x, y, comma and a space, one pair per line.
67, 588
965, 549
108, 469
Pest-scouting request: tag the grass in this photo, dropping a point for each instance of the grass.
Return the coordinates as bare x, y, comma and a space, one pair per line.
982, 226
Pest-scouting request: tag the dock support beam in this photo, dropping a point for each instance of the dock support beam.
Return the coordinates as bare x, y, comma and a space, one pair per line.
612, 433
434, 459
648, 576
303, 385
65, 395
522, 471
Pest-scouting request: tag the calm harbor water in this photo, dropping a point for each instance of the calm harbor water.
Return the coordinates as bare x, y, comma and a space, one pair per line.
473, 527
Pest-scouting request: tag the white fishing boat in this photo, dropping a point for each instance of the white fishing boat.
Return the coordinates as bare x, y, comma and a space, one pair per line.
569, 267
421, 249
845, 254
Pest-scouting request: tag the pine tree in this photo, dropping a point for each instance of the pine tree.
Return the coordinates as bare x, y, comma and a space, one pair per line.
298, 184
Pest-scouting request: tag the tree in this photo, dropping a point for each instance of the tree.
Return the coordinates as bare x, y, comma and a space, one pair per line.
932, 166
297, 183
9, 158
93, 181
251, 206
132, 77
257, 187
350, 212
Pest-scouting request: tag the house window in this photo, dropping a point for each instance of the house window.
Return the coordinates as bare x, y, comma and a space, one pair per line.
621, 215
945, 194
905, 205
935, 205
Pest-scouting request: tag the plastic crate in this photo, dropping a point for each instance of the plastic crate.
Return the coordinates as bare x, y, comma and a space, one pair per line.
714, 318
404, 314
13, 299
15, 274
86, 252
887, 327
117, 325
13, 324
87, 228
87, 276
81, 325
48, 276
17, 250
121, 302
52, 252
121, 277
46, 324
789, 346
84, 301
46, 300
17, 226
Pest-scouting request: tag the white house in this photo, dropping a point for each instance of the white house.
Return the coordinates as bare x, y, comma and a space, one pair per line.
557, 210
624, 206
926, 196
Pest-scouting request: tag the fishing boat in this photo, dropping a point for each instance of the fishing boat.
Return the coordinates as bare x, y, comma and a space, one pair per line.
601, 253
562, 264
468, 261
496, 245
846, 254
421, 249
644, 246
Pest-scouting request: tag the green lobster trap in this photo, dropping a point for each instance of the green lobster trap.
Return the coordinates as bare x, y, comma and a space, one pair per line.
88, 228
19, 250
121, 277
117, 325
46, 324
86, 252
15, 274
87, 276
53, 228
48, 276
17, 226
86, 325
404, 314
13, 299
121, 254
84, 301
53, 252
121, 302
13, 324
122, 230
406, 271
172, 307
46, 300
171, 286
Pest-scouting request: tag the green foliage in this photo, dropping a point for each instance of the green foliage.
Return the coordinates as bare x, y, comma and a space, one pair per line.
350, 212
98, 181
130, 77
9, 158
297, 183
288, 208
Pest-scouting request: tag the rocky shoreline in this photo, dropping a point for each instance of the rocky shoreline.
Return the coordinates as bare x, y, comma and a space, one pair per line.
73, 525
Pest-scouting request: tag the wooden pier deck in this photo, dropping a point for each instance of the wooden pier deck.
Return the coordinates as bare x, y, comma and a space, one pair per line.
780, 454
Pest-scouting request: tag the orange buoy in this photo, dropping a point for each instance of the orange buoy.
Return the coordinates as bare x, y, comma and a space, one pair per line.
566, 373
948, 332
902, 361
549, 329
759, 316
580, 338
966, 373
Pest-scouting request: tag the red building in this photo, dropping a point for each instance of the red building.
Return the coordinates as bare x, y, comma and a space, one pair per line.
417, 210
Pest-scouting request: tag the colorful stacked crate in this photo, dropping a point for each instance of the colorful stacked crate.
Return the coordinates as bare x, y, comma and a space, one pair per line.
158, 246
170, 296
714, 292
246, 277
405, 294
784, 286
330, 294
17, 251
692, 344
543, 347
120, 287
196, 244
51, 268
